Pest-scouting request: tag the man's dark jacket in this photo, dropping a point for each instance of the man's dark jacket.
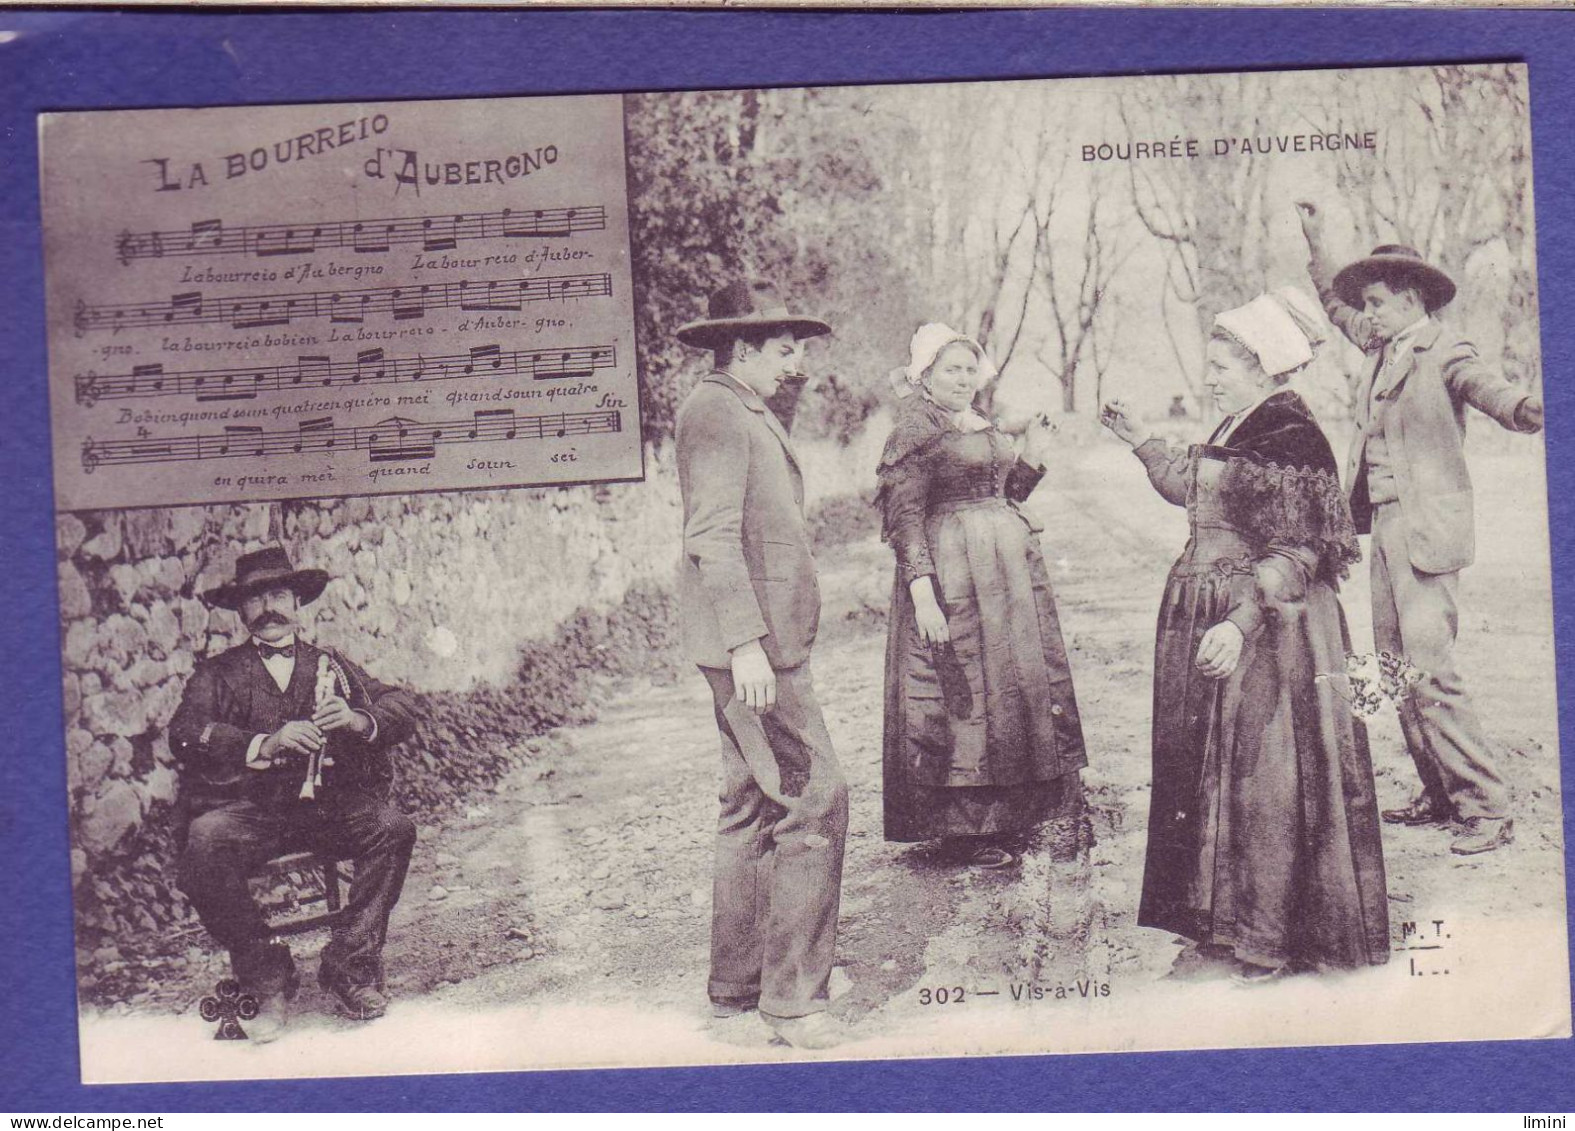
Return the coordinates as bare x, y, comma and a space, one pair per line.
232, 698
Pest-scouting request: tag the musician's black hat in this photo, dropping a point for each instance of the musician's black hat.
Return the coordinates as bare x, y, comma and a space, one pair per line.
268, 568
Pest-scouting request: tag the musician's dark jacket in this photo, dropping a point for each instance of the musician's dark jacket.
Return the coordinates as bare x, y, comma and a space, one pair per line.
231, 698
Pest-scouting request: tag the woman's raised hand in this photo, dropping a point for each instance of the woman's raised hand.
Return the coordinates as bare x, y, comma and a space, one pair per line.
1039, 440
1118, 416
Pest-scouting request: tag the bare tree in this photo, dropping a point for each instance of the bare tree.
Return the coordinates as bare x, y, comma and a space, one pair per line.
1453, 178
1074, 277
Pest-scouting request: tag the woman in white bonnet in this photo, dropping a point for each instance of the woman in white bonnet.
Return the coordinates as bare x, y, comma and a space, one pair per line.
982, 739
1263, 845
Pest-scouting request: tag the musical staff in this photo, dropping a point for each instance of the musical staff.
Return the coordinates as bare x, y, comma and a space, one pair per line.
370, 367
430, 233
349, 306
396, 439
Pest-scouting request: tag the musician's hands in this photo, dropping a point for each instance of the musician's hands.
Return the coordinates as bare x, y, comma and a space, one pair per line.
295, 740
1119, 417
335, 714
933, 629
1220, 650
754, 683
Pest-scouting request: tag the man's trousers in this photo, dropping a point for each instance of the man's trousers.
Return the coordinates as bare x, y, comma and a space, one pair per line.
225, 845
1415, 615
779, 845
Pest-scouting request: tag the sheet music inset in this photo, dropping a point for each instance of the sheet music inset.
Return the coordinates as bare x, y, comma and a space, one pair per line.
253, 303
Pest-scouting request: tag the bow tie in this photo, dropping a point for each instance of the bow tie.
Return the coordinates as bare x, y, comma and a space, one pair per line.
269, 650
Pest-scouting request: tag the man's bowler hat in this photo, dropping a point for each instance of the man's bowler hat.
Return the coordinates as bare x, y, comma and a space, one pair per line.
746, 307
1395, 262
268, 568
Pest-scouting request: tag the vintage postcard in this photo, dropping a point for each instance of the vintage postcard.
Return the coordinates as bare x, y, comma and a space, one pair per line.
755, 575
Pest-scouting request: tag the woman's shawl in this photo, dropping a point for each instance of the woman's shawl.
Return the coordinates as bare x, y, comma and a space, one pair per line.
919, 424
1281, 483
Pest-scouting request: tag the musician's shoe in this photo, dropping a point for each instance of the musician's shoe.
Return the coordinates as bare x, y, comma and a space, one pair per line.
1420, 812
813, 1031
273, 1015
358, 986
1483, 834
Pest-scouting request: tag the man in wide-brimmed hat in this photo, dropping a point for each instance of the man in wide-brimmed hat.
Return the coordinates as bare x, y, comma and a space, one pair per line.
1411, 489
256, 723
749, 605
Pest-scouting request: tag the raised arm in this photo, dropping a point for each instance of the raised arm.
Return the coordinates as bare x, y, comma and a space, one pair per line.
1166, 467
1351, 322
1487, 391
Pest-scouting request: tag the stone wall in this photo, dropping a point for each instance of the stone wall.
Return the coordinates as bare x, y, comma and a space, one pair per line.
454, 595
498, 608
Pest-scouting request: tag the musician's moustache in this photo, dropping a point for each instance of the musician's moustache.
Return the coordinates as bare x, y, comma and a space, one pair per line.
265, 618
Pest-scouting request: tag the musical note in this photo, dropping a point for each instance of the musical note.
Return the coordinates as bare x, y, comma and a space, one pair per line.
318, 433
433, 233
365, 238
492, 355
314, 368
369, 366
343, 310
440, 233
241, 440
206, 233
283, 241
187, 306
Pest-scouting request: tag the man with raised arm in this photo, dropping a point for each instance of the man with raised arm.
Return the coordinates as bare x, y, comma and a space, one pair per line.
1411, 489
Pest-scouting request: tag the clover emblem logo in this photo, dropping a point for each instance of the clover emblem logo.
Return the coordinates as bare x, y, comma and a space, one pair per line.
229, 1007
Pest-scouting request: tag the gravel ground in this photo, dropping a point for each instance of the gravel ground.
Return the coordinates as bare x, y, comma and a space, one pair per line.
564, 920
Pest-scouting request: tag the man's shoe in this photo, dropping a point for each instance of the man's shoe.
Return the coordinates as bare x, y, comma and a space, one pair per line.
1483, 834
1251, 974
812, 1031
359, 989
273, 1014
724, 1008
1419, 812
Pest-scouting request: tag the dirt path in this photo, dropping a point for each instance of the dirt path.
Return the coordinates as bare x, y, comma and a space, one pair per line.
582, 883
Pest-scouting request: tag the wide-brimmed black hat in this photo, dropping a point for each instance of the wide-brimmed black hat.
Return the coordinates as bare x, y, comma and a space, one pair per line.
1393, 261
751, 306
268, 568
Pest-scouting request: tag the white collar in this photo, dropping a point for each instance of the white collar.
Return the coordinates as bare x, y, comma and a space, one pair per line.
1409, 332
287, 642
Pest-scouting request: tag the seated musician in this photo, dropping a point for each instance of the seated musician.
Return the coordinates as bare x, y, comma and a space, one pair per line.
283, 747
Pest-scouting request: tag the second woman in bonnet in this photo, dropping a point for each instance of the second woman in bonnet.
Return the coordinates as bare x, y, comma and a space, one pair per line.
982, 739
1263, 845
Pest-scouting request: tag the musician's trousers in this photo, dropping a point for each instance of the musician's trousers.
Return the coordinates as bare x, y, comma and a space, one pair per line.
779, 844
226, 845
